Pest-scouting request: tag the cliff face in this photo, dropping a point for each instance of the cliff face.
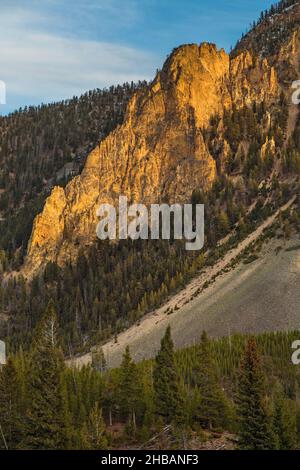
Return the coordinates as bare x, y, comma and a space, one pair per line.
158, 153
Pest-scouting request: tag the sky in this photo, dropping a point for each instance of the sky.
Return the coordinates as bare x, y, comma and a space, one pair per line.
55, 49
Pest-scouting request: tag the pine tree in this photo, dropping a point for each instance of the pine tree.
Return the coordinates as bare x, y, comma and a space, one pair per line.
130, 388
94, 436
212, 409
285, 425
45, 426
255, 427
10, 419
98, 360
169, 403
223, 224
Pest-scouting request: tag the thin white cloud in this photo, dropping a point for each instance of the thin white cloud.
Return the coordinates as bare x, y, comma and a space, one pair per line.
47, 66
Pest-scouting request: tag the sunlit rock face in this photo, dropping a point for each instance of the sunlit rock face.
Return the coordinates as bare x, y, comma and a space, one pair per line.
159, 153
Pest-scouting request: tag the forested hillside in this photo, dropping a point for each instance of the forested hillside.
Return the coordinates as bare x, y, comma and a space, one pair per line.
112, 286
273, 27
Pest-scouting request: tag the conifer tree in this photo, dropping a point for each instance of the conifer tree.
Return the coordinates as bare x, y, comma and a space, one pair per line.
168, 401
47, 416
94, 436
285, 426
212, 409
10, 420
255, 426
130, 388
98, 360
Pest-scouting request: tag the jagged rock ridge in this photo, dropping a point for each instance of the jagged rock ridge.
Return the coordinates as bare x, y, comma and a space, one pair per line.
158, 153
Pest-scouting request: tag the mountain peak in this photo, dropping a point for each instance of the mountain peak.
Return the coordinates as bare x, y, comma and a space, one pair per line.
159, 153
189, 55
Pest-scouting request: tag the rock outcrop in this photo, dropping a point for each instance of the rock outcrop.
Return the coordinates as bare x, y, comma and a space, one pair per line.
159, 153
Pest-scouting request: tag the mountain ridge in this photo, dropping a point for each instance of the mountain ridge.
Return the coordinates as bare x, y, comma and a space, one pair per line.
159, 152
210, 128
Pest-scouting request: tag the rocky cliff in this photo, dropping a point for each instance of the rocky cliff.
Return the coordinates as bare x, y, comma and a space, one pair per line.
159, 152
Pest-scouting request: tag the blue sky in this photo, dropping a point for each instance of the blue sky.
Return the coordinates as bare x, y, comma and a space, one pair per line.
54, 49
